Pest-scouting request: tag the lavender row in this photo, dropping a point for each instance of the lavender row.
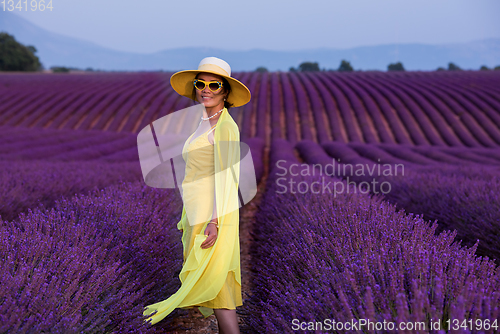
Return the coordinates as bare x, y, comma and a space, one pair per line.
481, 112
317, 109
430, 122
275, 107
18, 143
291, 113
334, 119
128, 107
460, 196
158, 107
92, 263
363, 118
249, 110
407, 108
347, 118
262, 106
351, 256
465, 113
397, 119
455, 109
304, 111
28, 184
53, 107
380, 127
257, 146
411, 155
458, 121
64, 144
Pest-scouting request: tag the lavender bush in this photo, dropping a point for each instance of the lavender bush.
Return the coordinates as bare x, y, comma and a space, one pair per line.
256, 146
27, 184
290, 109
317, 109
66, 145
91, 263
334, 119
460, 198
302, 106
353, 256
403, 124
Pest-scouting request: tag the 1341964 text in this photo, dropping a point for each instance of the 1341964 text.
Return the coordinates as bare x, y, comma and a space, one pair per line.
32, 5
469, 324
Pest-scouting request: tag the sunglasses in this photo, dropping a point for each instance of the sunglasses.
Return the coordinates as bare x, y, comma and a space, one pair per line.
213, 85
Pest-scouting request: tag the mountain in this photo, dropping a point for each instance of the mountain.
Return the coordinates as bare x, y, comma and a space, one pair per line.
59, 50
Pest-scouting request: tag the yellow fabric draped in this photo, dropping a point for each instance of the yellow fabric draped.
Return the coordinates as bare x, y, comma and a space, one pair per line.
211, 277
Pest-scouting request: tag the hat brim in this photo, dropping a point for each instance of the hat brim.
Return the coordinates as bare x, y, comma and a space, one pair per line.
182, 83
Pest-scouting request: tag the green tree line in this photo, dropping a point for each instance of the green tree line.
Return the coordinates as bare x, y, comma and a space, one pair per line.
16, 57
345, 66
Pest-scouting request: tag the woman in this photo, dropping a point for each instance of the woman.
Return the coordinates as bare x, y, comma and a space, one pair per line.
210, 276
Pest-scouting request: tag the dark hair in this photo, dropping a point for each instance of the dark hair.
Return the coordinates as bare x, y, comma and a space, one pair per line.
226, 88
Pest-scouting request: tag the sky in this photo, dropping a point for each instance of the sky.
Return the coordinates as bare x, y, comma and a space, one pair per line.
148, 26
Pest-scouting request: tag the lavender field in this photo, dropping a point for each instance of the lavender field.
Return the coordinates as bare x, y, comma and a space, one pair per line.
85, 244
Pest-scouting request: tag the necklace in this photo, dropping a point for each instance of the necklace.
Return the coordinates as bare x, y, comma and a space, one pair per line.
206, 119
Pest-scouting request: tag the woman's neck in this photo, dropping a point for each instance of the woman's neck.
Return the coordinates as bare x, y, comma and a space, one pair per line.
213, 110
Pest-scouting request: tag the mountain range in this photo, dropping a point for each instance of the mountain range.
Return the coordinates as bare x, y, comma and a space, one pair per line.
59, 50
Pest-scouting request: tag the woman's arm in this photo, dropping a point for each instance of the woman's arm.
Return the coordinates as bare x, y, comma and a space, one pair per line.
214, 212
211, 231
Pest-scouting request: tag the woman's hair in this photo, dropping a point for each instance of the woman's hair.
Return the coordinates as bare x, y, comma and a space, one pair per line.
226, 89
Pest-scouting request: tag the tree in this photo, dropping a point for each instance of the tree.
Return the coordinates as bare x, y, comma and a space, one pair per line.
395, 67
31, 48
497, 68
484, 68
59, 69
308, 67
453, 67
261, 69
292, 69
441, 69
16, 57
345, 66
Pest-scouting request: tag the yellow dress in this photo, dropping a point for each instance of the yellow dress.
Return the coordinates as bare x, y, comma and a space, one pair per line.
210, 277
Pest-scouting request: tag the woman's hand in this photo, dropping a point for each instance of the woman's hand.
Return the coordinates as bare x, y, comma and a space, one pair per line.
211, 231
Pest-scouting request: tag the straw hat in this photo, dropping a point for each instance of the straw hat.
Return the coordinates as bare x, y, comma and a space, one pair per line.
182, 82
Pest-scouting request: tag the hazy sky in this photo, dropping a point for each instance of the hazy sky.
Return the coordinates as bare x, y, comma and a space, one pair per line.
153, 25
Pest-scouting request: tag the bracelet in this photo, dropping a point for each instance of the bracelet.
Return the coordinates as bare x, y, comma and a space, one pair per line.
216, 224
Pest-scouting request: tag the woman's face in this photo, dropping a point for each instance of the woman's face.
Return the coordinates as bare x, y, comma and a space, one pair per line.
206, 96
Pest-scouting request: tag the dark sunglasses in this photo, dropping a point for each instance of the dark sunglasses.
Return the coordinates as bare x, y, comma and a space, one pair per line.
213, 85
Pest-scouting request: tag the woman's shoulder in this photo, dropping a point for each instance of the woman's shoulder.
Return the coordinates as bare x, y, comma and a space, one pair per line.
228, 124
